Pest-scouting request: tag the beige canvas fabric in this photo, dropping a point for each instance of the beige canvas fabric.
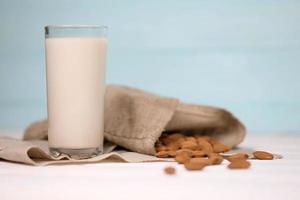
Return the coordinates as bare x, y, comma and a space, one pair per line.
134, 119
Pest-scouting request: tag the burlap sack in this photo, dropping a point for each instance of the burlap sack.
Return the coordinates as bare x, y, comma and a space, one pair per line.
134, 119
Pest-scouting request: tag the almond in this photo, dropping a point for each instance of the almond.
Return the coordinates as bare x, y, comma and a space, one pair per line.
188, 152
161, 148
220, 148
171, 153
181, 159
183, 156
192, 165
198, 153
162, 154
237, 156
189, 145
239, 164
170, 170
263, 155
205, 146
204, 161
215, 158
191, 139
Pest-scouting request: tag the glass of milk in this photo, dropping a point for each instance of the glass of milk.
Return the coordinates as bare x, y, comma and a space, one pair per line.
75, 67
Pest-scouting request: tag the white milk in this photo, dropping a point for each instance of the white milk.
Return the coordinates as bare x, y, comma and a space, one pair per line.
75, 90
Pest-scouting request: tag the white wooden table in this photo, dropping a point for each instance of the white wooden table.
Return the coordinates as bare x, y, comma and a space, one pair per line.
276, 179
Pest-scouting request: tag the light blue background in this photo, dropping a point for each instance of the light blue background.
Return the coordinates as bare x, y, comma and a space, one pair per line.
241, 55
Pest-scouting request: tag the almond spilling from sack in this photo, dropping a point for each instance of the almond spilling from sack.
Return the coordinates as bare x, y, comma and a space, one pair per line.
220, 148
162, 154
237, 156
215, 158
239, 164
263, 155
196, 164
183, 156
205, 146
189, 144
196, 151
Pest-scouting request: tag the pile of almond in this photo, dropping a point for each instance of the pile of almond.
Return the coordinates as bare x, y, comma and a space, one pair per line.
196, 152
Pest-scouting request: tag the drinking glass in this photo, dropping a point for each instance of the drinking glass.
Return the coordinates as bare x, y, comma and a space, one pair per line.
75, 71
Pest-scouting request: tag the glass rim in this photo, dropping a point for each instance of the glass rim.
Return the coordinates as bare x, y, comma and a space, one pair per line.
80, 26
